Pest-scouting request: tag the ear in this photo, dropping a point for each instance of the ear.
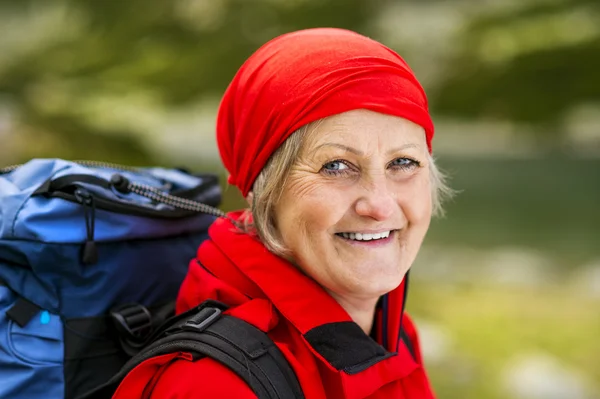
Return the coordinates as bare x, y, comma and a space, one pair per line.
250, 198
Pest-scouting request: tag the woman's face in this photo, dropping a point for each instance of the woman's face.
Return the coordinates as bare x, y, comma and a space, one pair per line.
357, 203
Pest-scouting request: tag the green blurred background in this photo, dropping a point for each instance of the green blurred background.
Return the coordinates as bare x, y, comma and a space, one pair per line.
506, 290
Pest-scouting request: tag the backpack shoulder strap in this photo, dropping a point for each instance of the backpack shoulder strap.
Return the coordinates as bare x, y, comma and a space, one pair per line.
243, 348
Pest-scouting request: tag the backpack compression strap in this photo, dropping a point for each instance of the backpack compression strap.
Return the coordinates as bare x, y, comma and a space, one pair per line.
206, 332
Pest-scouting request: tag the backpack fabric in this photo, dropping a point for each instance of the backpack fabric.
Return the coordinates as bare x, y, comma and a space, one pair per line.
77, 241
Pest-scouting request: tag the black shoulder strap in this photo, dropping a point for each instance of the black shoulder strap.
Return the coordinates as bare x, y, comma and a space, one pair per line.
206, 332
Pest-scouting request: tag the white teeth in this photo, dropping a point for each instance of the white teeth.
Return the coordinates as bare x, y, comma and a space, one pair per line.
366, 236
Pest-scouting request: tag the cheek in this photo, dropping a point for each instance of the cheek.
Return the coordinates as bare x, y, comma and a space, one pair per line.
302, 184
418, 206
305, 209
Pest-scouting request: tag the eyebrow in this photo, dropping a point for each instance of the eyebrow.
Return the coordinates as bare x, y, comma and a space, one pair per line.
360, 153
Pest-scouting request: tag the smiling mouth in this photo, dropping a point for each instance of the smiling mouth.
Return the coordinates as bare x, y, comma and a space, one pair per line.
366, 236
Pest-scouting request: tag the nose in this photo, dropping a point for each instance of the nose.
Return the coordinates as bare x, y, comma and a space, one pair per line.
377, 201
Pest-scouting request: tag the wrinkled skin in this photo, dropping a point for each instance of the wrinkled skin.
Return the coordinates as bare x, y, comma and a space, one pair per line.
357, 172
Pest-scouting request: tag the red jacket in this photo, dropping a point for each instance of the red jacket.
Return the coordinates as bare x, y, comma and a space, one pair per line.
332, 357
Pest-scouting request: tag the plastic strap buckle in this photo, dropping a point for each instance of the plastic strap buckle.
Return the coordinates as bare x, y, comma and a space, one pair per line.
133, 321
202, 320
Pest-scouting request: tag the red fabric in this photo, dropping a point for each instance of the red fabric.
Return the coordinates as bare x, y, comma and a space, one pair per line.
300, 77
274, 296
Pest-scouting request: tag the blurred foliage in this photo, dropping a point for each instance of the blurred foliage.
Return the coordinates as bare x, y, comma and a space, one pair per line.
70, 143
168, 47
176, 51
531, 65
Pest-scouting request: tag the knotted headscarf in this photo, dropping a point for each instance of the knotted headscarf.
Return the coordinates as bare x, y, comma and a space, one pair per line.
300, 77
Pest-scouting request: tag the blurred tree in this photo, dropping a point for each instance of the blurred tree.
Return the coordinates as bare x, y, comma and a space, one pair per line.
72, 65
170, 52
531, 65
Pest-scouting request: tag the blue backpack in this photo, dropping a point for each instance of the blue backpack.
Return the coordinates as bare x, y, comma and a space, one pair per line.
91, 259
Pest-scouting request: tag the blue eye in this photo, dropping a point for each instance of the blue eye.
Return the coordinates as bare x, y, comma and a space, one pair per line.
335, 165
405, 163
335, 168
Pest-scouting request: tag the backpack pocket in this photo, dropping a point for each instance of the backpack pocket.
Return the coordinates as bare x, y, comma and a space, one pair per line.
39, 342
31, 354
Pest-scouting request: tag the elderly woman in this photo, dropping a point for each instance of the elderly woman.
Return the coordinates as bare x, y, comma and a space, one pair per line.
328, 136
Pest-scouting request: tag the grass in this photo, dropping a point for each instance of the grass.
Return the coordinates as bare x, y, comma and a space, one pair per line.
489, 326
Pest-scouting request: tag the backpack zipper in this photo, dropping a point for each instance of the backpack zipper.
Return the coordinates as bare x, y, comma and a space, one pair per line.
92, 164
89, 254
180, 200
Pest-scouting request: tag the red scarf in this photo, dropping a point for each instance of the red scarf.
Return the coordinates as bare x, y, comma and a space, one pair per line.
300, 77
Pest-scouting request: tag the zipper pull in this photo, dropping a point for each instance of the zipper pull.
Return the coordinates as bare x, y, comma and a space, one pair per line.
89, 254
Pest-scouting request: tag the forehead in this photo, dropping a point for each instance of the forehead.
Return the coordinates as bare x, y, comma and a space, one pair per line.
363, 128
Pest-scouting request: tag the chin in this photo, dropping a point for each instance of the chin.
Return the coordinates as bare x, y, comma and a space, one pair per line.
379, 287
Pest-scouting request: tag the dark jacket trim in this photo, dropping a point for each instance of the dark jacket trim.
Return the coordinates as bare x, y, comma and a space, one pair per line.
345, 346
404, 297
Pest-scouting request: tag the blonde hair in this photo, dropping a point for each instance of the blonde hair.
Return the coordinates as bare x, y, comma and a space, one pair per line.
268, 186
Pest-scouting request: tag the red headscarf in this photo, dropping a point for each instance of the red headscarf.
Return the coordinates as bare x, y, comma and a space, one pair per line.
300, 77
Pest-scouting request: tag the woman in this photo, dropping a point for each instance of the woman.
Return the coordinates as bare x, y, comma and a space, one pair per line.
328, 136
